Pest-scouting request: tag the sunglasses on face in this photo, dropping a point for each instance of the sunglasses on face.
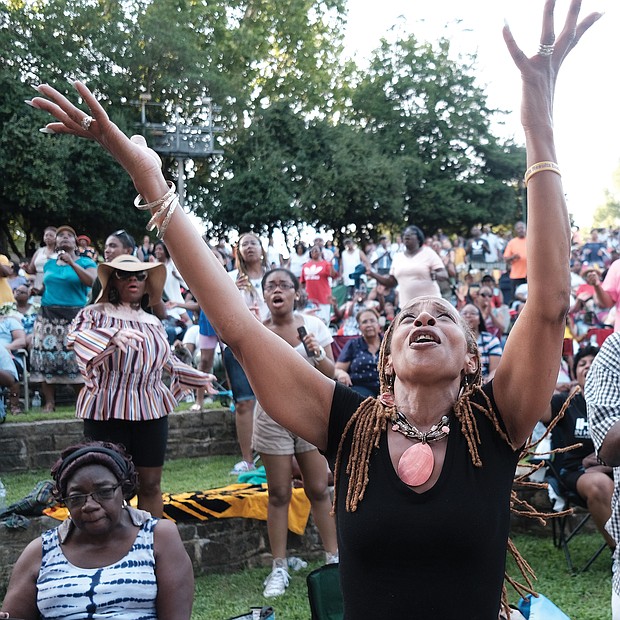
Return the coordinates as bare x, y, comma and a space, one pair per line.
141, 276
100, 495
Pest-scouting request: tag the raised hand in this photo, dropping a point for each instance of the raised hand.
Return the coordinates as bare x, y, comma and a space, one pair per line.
128, 339
539, 72
141, 163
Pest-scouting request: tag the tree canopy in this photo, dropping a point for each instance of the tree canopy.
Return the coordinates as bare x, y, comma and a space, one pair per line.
306, 137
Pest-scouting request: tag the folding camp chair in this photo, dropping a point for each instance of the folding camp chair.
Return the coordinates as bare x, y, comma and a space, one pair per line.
324, 593
564, 527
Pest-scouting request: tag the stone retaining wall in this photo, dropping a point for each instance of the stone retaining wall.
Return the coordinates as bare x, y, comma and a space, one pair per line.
25, 446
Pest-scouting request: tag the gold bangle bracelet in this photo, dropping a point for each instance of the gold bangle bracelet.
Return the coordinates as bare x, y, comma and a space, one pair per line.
156, 203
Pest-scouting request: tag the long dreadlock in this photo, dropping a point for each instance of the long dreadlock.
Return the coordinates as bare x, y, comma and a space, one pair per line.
371, 418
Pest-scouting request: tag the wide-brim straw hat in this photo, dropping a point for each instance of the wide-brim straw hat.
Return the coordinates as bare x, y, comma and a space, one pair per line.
126, 262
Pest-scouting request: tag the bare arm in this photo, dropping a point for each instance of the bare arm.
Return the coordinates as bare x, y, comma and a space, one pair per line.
440, 274
602, 298
86, 275
342, 373
610, 448
29, 266
19, 340
538, 332
21, 595
173, 570
387, 280
272, 366
187, 305
493, 365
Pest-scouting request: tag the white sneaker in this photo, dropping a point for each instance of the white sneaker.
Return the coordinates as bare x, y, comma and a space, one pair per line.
241, 468
276, 583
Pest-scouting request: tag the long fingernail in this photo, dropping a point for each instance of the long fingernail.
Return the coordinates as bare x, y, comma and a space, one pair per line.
36, 87
46, 130
30, 103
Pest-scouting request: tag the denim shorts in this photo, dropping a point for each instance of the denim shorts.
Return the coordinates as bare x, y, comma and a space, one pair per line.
239, 384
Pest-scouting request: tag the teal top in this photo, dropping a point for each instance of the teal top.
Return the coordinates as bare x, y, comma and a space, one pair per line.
63, 286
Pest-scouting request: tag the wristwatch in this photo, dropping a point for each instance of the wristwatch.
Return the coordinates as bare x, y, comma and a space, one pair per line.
320, 356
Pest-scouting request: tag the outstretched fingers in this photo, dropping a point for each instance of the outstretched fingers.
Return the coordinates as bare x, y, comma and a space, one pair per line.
71, 119
573, 31
518, 55
69, 116
582, 27
96, 109
547, 35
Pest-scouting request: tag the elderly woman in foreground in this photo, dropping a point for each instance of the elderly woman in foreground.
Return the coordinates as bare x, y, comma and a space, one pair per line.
107, 560
424, 472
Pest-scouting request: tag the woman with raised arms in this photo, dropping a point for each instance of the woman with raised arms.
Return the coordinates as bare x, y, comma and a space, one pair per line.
424, 472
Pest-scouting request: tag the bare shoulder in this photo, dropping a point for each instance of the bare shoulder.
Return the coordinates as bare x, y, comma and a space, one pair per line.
165, 534
27, 567
33, 553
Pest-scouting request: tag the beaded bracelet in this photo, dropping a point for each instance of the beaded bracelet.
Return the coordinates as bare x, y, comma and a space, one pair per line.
541, 166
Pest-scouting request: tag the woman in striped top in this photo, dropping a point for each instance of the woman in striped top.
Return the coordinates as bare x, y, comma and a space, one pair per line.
489, 346
122, 352
107, 560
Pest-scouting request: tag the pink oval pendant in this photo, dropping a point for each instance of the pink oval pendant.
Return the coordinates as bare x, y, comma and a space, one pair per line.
416, 464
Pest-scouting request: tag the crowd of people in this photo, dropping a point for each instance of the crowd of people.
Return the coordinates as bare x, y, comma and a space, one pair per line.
421, 415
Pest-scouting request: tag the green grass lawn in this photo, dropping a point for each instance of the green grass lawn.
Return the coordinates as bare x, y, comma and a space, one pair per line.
218, 597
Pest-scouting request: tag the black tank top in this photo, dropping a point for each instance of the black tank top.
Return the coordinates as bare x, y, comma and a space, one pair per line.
438, 555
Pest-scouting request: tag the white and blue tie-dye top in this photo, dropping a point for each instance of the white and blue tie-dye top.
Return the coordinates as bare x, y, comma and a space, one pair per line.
126, 589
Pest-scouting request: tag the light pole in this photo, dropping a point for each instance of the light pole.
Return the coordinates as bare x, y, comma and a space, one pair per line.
180, 139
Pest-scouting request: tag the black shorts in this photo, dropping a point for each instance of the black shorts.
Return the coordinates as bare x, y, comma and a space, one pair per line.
569, 478
145, 441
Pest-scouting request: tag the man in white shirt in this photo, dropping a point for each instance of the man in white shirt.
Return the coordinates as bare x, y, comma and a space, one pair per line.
495, 243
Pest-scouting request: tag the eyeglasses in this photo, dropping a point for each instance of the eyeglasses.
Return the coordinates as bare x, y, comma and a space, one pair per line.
283, 286
141, 276
100, 495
